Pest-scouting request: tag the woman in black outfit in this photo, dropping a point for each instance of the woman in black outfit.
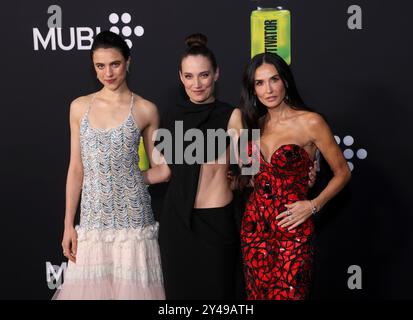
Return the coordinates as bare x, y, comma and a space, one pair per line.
199, 228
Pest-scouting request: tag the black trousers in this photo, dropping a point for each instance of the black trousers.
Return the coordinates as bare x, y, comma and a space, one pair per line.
204, 261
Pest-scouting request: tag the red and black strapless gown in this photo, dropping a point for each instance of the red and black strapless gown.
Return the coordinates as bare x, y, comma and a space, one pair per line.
277, 262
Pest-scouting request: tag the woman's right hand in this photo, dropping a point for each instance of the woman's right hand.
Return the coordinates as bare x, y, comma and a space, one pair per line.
69, 243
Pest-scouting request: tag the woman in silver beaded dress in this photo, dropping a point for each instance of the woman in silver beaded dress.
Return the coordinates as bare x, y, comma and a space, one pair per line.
114, 252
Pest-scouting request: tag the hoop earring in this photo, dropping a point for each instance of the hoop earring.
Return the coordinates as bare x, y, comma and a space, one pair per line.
127, 68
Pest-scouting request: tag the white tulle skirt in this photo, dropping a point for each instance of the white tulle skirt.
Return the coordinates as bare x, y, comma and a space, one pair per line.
114, 264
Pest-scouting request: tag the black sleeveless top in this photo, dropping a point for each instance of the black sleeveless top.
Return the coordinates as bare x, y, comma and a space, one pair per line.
180, 197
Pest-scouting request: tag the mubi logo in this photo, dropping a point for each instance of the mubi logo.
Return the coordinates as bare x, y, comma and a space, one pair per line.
55, 275
121, 26
349, 153
79, 38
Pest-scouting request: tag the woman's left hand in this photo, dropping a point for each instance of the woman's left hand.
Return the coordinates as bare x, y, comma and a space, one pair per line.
296, 213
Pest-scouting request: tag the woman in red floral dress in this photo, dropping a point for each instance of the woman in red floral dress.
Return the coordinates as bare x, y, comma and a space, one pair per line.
277, 228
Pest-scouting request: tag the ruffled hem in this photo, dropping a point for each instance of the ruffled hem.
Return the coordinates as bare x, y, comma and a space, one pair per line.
114, 264
106, 290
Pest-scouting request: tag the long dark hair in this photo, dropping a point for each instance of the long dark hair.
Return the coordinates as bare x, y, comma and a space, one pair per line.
197, 46
252, 109
107, 39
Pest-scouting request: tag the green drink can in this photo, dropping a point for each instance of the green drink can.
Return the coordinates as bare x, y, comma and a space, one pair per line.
271, 32
143, 158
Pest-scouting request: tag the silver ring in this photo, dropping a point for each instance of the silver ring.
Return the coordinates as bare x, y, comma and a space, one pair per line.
290, 218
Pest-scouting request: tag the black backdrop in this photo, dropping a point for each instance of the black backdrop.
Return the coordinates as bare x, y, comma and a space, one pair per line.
359, 79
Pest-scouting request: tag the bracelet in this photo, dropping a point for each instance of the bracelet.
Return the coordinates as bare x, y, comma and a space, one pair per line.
314, 209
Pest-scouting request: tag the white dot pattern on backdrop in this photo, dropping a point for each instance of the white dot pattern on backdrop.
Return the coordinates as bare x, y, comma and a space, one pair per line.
113, 18
348, 140
139, 31
348, 154
126, 31
362, 154
126, 17
114, 29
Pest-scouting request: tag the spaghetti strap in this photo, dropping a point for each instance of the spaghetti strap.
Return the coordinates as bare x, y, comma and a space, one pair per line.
131, 102
90, 103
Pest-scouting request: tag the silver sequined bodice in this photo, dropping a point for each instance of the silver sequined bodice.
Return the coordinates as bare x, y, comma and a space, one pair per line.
114, 195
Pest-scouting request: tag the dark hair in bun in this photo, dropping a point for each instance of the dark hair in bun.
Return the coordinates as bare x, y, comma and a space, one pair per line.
197, 46
197, 39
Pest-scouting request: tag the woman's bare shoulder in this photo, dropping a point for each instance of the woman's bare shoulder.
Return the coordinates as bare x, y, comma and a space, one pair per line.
145, 105
80, 105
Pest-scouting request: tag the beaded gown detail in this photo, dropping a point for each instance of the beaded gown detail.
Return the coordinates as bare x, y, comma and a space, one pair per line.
118, 253
277, 262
